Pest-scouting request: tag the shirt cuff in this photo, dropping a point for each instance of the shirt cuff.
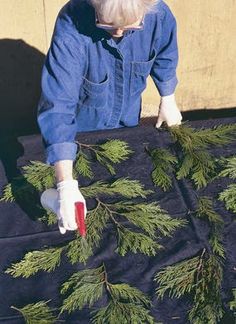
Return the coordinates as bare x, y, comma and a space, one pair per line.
61, 151
167, 88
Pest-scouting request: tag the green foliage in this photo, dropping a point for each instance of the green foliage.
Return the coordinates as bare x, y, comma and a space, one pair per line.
18, 189
177, 280
126, 293
125, 313
83, 165
127, 304
232, 303
229, 167
79, 250
228, 196
207, 303
46, 260
38, 313
205, 211
163, 162
200, 278
123, 186
39, 175
150, 218
87, 288
111, 152
48, 217
136, 242
197, 163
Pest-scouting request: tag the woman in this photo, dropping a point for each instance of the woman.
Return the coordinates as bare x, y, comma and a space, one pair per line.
101, 53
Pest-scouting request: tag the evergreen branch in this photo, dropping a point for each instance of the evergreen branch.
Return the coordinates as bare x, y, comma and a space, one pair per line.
232, 303
115, 150
201, 277
136, 242
205, 211
39, 175
215, 241
112, 152
38, 313
178, 279
229, 165
151, 218
197, 163
46, 260
87, 289
207, 303
48, 217
128, 294
125, 313
79, 250
122, 186
18, 189
83, 165
163, 162
228, 196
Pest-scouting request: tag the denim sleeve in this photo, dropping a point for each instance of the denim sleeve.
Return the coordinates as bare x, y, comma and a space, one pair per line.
163, 71
61, 81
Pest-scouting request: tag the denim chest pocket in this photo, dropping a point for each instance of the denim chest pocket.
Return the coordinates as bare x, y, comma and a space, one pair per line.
139, 73
94, 94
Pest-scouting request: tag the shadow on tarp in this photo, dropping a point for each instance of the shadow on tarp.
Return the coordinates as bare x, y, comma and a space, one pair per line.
20, 75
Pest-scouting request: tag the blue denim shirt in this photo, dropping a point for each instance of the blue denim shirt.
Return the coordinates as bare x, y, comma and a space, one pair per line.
90, 82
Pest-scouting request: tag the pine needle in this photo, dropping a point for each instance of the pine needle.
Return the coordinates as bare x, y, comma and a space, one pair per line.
136, 242
38, 313
46, 260
163, 162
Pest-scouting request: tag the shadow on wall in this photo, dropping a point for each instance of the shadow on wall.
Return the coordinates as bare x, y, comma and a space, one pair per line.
20, 75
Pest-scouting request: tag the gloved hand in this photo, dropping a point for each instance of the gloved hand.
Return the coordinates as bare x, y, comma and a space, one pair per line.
68, 194
168, 112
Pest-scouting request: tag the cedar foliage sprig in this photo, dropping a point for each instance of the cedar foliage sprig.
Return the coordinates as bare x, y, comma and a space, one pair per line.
197, 163
232, 303
126, 304
164, 163
111, 152
199, 277
205, 211
228, 196
38, 313
46, 260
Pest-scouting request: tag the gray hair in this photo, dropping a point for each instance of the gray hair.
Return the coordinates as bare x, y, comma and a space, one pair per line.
122, 12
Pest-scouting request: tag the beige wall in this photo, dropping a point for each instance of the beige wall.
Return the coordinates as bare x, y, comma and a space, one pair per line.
207, 45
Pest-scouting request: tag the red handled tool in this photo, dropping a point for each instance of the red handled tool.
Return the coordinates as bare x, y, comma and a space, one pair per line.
79, 216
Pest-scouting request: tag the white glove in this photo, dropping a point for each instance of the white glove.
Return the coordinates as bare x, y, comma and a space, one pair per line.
168, 112
68, 194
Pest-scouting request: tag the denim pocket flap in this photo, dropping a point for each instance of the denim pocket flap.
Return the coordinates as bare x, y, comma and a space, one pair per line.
144, 68
95, 88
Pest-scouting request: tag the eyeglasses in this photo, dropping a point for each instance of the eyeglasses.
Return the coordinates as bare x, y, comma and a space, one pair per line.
112, 27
